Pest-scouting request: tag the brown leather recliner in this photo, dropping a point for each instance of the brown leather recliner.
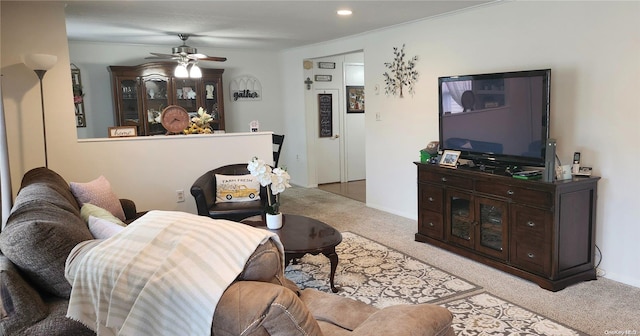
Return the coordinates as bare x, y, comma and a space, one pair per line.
263, 302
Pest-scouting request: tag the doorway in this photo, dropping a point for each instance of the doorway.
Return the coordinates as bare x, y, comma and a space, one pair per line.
337, 161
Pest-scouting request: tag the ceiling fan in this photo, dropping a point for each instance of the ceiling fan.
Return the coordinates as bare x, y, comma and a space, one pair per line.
185, 54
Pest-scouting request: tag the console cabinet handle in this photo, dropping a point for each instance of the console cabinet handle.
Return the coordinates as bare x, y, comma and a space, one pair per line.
530, 255
531, 224
510, 192
431, 224
443, 179
430, 199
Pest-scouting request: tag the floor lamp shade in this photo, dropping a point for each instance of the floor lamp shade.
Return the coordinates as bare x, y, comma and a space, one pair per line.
39, 61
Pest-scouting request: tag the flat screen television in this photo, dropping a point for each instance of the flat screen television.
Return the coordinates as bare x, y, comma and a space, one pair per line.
498, 119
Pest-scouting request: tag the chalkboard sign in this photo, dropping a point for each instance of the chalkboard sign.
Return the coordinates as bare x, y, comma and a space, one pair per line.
325, 111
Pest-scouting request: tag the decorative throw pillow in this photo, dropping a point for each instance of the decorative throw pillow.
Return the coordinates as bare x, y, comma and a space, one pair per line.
237, 188
102, 228
89, 210
98, 192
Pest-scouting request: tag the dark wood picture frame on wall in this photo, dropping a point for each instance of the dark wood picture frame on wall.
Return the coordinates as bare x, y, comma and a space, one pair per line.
355, 99
325, 115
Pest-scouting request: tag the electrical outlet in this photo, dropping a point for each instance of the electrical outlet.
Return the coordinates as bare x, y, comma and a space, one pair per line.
600, 272
179, 196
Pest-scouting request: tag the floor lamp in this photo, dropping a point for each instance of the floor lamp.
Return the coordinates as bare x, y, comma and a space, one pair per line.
40, 63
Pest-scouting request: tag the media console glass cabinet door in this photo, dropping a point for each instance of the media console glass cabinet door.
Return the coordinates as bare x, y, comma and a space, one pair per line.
541, 231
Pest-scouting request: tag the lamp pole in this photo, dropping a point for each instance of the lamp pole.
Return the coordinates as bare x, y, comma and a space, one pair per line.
40, 74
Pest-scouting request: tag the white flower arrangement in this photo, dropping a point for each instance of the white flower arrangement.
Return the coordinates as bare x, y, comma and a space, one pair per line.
276, 180
200, 123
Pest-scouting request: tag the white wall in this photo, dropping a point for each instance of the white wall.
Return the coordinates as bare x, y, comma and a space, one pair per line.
593, 51
147, 170
94, 58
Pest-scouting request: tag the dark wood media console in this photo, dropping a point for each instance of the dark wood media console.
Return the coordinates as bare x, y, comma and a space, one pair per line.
540, 231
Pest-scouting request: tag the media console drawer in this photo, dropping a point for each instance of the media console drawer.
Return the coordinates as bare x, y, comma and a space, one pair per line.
518, 194
431, 198
445, 179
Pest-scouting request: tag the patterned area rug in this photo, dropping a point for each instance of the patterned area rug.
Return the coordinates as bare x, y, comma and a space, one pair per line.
381, 276
377, 275
485, 314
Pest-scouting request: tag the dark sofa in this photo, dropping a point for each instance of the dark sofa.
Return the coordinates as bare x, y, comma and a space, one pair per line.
43, 227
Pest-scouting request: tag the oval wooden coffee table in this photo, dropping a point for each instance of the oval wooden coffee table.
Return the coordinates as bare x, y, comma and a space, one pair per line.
301, 235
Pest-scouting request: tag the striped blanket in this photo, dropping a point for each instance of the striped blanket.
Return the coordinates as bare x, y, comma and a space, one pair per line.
163, 275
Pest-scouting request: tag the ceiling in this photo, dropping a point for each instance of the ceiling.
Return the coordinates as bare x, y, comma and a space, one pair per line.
239, 24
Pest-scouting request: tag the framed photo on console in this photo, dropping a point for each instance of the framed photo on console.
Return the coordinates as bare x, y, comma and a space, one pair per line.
449, 159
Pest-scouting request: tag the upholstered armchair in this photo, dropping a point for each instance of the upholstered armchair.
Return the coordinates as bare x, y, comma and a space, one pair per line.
204, 191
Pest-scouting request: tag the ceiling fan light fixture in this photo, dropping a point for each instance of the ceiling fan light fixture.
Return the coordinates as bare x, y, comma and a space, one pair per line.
181, 71
195, 71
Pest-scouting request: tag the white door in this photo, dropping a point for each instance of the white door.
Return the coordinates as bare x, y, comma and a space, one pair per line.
328, 146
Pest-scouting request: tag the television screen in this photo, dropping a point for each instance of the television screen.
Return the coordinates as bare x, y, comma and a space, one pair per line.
500, 118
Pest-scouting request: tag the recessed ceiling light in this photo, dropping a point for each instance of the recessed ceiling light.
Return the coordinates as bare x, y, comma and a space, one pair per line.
344, 12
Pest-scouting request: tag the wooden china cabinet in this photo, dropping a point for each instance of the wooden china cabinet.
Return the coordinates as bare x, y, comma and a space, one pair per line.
141, 92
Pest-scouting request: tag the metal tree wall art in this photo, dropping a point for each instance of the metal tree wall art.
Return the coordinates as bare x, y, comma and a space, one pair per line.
403, 73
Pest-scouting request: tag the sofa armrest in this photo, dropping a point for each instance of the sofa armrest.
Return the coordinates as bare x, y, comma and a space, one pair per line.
418, 320
130, 211
261, 308
129, 208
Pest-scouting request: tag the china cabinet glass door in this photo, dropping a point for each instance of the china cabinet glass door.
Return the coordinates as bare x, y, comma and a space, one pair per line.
130, 114
212, 93
155, 101
186, 93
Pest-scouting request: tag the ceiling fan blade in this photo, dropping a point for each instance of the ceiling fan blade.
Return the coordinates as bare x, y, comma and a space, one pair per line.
161, 59
214, 59
163, 55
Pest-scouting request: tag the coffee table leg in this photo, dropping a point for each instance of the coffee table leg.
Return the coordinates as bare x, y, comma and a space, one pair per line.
333, 258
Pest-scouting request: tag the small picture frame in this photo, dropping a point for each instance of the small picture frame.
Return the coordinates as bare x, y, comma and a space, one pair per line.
355, 99
449, 159
326, 65
323, 78
123, 131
